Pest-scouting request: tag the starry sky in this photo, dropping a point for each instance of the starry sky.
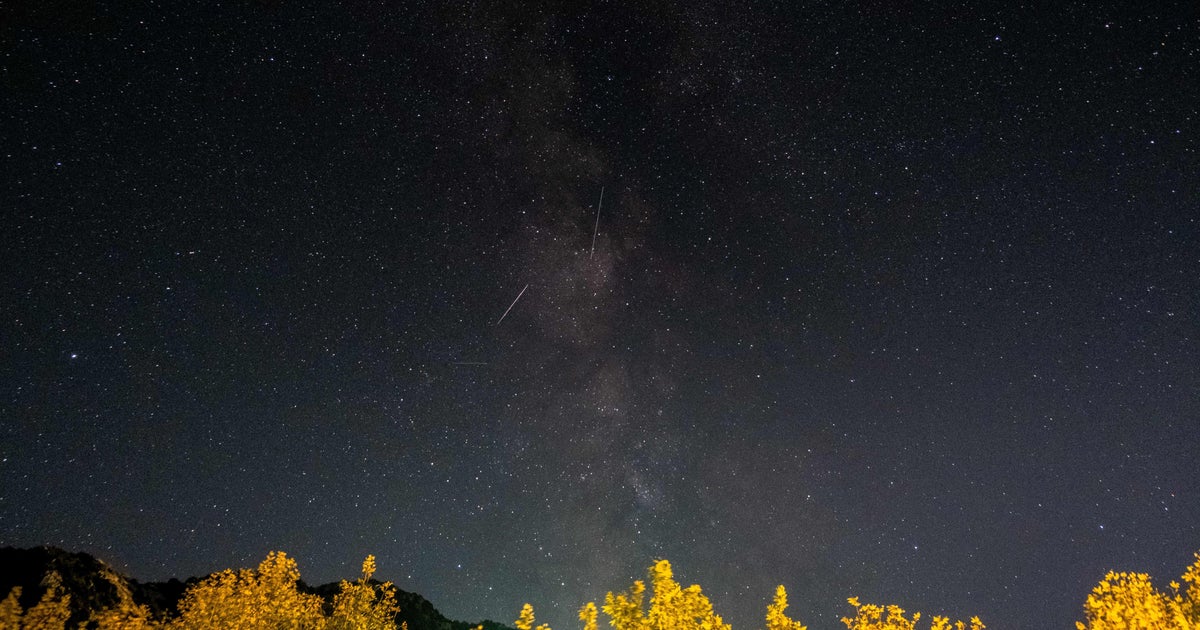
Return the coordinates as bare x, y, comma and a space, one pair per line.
865, 298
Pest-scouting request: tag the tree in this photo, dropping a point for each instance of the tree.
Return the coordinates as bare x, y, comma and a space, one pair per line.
671, 606
624, 610
1185, 606
776, 620
872, 617
1128, 601
587, 615
10, 610
264, 599
125, 614
1125, 601
50, 613
525, 620
52, 610
363, 606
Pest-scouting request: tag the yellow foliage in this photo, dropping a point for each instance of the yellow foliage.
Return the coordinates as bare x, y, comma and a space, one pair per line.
1186, 605
362, 606
873, 617
124, 618
671, 606
251, 599
525, 619
588, 615
50, 613
1125, 601
267, 598
1129, 601
624, 610
260, 598
52, 610
10, 610
126, 614
776, 620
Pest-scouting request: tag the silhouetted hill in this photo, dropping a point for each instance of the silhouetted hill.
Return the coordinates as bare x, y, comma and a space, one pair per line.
93, 585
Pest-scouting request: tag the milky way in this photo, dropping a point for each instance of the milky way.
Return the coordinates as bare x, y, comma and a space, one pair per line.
895, 302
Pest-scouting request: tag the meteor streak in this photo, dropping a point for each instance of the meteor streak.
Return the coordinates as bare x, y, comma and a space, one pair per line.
514, 303
597, 227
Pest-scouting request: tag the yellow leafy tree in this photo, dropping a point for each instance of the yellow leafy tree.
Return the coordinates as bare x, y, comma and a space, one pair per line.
525, 618
672, 607
263, 598
1129, 601
675, 608
124, 617
1185, 606
1125, 601
943, 623
588, 615
871, 617
776, 619
50, 613
126, 614
363, 606
10, 610
875, 617
624, 610
525, 621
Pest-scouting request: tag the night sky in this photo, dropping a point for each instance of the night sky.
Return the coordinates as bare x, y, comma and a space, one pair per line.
881, 299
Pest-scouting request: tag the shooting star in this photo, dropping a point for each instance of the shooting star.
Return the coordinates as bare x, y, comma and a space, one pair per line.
597, 227
468, 363
514, 303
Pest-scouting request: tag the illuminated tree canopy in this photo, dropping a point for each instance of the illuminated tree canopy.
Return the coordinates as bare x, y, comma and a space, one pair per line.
267, 597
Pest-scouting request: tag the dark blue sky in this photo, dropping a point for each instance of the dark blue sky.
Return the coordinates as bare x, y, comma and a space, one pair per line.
890, 301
